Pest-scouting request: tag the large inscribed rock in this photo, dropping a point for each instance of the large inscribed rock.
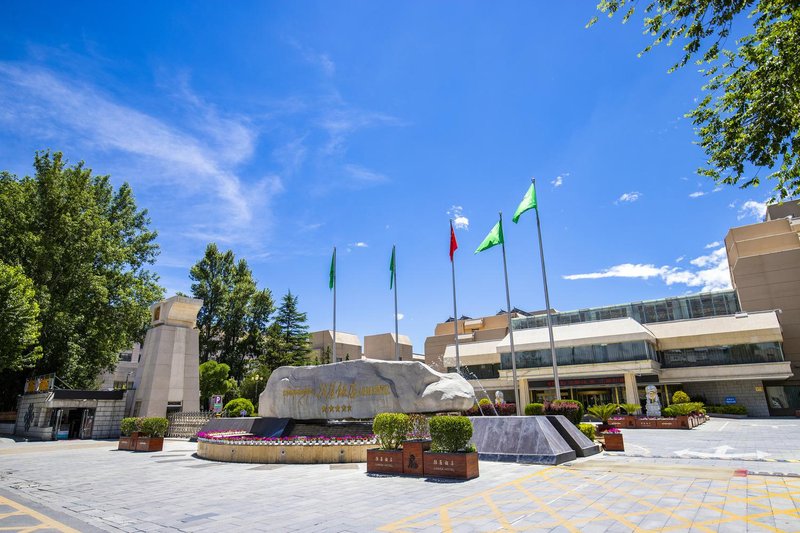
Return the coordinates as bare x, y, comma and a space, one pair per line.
362, 389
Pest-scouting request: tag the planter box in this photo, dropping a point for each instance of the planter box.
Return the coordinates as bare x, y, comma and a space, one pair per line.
618, 423
412, 456
149, 444
128, 443
453, 465
385, 461
643, 423
669, 423
613, 442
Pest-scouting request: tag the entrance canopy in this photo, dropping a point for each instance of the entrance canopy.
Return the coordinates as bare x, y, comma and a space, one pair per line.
580, 334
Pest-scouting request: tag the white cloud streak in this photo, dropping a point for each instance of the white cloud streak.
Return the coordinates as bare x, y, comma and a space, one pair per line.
752, 209
629, 197
697, 194
459, 220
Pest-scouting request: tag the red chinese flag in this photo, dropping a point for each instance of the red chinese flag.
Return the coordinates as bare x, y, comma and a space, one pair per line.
453, 242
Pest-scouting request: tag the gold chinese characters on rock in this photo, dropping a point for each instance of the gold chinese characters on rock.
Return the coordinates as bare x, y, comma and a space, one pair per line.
332, 391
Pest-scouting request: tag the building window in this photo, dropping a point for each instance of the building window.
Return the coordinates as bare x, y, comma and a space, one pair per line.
740, 354
126, 356
582, 355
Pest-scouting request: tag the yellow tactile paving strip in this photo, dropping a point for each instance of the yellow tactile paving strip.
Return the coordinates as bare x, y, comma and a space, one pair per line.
10, 509
579, 500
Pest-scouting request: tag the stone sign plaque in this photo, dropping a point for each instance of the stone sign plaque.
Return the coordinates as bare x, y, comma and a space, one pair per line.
362, 389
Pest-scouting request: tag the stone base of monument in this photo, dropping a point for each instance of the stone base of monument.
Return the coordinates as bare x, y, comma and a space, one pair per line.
575, 438
520, 439
262, 453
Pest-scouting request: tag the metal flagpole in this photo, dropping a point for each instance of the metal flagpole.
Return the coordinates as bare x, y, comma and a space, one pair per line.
547, 303
510, 329
396, 334
333, 353
455, 311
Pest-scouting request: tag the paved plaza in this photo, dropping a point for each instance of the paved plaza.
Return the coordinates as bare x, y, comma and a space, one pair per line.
727, 475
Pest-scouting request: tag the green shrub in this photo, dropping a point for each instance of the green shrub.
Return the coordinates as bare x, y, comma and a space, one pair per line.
631, 408
588, 430
680, 397
235, 407
128, 426
534, 409
418, 427
154, 426
391, 429
485, 402
726, 409
450, 433
603, 411
572, 409
683, 409
668, 411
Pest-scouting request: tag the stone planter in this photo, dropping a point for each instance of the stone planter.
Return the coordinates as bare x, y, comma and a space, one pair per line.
385, 461
669, 423
613, 442
618, 422
463, 465
128, 442
149, 444
412, 456
644, 423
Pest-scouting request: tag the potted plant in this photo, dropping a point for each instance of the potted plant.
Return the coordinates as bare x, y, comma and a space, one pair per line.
151, 434
451, 454
603, 412
129, 432
418, 440
390, 429
612, 440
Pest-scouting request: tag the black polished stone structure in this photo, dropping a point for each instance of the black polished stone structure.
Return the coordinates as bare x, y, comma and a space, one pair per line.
520, 439
575, 438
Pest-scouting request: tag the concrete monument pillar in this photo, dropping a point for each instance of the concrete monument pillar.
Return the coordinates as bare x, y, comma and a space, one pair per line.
631, 389
170, 379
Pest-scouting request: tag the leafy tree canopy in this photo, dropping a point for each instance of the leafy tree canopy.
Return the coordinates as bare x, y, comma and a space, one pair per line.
19, 320
85, 247
214, 380
749, 119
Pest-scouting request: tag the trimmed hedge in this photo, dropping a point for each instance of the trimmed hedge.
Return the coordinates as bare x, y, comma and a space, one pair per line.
128, 426
533, 409
450, 433
727, 409
588, 430
234, 407
572, 409
391, 429
148, 427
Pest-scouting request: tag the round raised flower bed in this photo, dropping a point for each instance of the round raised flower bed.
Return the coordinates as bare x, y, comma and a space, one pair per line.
246, 448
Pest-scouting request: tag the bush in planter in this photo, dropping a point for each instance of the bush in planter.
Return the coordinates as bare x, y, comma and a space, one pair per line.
128, 426
683, 409
450, 433
668, 411
153, 427
235, 407
391, 429
534, 409
603, 412
680, 397
631, 408
572, 409
484, 402
588, 430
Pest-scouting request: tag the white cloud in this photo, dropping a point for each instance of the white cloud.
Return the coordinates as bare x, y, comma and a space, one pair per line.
459, 220
400, 316
361, 176
752, 209
681, 258
711, 274
629, 197
697, 194
712, 244
359, 244
559, 179
717, 189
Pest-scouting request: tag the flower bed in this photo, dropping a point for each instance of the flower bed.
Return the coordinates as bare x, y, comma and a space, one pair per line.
240, 447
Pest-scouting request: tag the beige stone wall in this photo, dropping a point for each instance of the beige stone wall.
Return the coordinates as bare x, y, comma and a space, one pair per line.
486, 328
382, 347
347, 344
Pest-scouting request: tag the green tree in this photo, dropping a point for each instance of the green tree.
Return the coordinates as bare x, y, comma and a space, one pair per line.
294, 349
214, 380
748, 120
86, 247
234, 319
19, 324
254, 383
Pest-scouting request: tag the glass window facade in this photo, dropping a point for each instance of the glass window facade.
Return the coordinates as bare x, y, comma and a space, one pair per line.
582, 355
478, 371
702, 305
740, 354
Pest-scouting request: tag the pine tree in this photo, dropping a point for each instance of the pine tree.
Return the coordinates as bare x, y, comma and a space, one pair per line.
293, 332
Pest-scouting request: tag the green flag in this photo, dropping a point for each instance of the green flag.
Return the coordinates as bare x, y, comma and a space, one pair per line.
391, 270
332, 280
528, 202
494, 238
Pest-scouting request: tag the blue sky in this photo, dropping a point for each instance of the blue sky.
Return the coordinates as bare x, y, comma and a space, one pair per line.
279, 130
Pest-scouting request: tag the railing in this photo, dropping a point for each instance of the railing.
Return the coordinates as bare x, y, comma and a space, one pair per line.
186, 424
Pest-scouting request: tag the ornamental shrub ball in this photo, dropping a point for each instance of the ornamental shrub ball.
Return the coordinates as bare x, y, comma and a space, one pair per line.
391, 429
128, 426
534, 409
588, 430
450, 433
235, 407
485, 402
154, 426
680, 397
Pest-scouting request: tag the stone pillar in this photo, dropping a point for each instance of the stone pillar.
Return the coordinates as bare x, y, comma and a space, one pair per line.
524, 394
631, 389
170, 359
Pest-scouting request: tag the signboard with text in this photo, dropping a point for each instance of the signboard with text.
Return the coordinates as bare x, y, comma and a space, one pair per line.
730, 400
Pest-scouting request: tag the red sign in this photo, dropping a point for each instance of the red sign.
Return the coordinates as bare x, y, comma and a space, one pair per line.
588, 381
